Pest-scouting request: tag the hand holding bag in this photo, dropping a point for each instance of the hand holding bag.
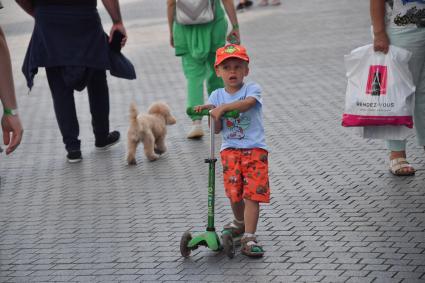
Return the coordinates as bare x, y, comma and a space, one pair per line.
194, 12
380, 88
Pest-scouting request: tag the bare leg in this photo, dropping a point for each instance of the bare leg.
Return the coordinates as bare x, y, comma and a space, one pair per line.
249, 244
238, 209
251, 215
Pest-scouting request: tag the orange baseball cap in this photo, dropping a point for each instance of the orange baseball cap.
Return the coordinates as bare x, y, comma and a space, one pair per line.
230, 51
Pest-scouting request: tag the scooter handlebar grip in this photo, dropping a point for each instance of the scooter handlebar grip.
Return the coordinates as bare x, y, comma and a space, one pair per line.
232, 114
206, 112
191, 111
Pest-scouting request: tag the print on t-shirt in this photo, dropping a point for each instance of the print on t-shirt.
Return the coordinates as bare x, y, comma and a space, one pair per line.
236, 127
407, 12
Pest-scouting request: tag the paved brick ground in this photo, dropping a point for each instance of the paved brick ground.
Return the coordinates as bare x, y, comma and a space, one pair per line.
336, 215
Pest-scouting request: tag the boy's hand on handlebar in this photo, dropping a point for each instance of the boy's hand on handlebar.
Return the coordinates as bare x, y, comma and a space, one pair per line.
216, 113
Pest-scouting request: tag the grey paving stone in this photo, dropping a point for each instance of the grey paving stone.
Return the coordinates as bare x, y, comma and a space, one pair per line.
409, 275
310, 278
330, 273
63, 278
306, 272
361, 279
383, 279
355, 273
286, 279
335, 279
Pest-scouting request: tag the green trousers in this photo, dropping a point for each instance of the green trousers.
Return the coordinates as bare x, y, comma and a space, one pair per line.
196, 72
196, 44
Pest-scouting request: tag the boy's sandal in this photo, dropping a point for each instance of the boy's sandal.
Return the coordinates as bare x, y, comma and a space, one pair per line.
398, 164
275, 2
235, 229
251, 248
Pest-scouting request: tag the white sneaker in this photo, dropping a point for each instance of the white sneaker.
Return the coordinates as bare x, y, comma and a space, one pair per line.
196, 131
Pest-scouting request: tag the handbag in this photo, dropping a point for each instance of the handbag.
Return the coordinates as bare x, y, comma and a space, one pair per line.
380, 89
194, 12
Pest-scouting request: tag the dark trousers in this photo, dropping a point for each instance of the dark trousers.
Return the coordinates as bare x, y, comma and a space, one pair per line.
64, 104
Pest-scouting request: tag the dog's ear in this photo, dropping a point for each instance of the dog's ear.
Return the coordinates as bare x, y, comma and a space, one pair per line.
170, 119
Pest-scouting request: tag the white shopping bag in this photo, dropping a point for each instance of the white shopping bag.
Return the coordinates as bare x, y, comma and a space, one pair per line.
380, 88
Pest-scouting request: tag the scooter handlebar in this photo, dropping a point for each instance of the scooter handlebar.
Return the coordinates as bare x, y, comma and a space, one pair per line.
206, 112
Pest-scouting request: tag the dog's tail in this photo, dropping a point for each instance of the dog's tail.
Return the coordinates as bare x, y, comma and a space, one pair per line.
133, 113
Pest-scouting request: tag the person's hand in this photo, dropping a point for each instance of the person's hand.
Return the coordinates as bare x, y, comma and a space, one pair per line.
216, 113
199, 108
234, 36
171, 39
12, 132
119, 27
381, 42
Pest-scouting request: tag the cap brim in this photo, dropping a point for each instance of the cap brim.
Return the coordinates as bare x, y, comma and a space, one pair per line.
231, 56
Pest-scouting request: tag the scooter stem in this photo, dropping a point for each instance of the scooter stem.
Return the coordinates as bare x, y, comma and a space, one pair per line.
211, 178
212, 136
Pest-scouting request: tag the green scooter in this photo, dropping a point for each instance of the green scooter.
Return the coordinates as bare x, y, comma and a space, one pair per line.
210, 237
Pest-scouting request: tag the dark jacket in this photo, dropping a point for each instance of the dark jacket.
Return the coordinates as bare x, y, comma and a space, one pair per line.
71, 36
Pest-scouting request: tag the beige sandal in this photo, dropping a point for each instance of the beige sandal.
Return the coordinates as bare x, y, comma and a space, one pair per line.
397, 164
275, 2
196, 131
263, 3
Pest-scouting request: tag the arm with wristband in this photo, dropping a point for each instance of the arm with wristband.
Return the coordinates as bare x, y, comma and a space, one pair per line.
10, 122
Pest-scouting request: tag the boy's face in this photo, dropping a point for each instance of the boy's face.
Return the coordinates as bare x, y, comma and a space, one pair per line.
232, 71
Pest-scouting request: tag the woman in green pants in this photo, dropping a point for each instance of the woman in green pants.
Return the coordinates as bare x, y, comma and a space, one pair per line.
196, 45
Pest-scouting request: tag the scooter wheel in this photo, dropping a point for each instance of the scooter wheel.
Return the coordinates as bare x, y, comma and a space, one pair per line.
184, 249
228, 245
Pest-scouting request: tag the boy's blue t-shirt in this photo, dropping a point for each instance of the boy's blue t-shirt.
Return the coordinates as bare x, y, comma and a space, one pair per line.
246, 131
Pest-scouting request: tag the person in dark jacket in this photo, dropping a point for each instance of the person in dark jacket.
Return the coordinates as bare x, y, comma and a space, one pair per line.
69, 41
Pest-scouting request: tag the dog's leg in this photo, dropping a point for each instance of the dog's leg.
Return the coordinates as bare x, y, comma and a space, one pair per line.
160, 146
149, 144
131, 152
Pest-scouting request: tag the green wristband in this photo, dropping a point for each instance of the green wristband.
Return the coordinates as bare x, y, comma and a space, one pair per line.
235, 26
8, 111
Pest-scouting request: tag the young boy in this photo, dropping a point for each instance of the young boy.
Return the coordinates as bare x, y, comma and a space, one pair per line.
243, 151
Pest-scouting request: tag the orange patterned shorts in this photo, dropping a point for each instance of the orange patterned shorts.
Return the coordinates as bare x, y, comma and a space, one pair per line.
246, 175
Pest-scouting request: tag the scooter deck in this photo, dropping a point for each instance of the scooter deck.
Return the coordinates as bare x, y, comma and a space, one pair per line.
209, 239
